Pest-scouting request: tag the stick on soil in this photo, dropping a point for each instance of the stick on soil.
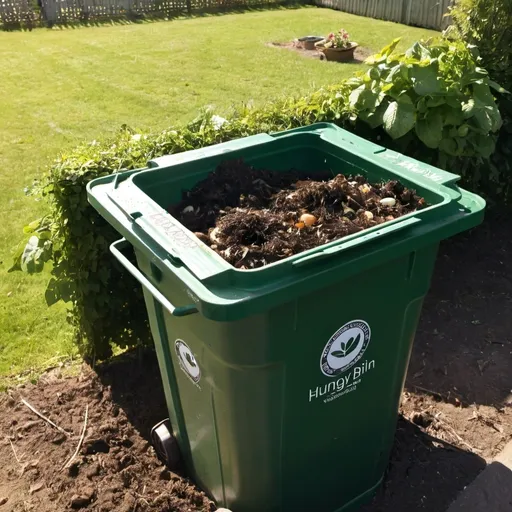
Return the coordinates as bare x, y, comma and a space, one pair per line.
80, 442
18, 459
50, 422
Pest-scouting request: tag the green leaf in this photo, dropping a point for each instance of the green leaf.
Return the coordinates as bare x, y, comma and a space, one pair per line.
483, 95
452, 116
399, 119
497, 87
51, 294
468, 108
436, 101
374, 74
483, 119
463, 130
485, 145
354, 95
376, 118
338, 353
449, 146
430, 130
390, 48
382, 56
16, 259
31, 260
426, 80
418, 51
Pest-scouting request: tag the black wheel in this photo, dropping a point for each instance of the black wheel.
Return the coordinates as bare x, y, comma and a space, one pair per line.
165, 444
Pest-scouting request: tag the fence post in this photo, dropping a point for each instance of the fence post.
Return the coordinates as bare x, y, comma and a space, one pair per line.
49, 11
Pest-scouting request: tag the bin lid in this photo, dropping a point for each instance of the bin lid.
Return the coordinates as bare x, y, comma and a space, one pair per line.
123, 200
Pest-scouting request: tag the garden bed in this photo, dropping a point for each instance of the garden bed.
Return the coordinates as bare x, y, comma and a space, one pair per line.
253, 217
360, 54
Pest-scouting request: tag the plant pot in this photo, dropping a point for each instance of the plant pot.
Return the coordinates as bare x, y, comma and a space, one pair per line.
308, 42
339, 54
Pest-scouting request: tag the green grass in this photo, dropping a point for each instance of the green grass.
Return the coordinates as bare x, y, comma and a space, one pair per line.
60, 87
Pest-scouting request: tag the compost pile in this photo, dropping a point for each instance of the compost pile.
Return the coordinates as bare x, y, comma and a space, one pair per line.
253, 217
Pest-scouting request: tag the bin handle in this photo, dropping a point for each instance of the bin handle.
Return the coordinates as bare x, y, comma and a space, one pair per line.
116, 248
356, 242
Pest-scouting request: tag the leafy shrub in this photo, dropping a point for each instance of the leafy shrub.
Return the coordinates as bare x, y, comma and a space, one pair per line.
399, 96
488, 26
433, 97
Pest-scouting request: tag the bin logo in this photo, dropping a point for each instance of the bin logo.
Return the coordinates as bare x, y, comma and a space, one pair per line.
187, 361
346, 346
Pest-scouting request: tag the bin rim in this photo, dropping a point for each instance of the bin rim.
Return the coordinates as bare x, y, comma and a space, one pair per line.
212, 280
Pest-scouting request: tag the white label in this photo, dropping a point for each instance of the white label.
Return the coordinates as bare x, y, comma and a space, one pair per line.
346, 346
187, 361
343, 352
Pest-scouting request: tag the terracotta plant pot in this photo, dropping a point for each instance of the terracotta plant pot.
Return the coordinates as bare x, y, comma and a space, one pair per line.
339, 54
308, 42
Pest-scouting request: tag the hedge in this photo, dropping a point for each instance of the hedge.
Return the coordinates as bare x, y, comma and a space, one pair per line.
403, 101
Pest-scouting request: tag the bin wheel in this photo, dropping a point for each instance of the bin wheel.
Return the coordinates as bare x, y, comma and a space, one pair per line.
165, 444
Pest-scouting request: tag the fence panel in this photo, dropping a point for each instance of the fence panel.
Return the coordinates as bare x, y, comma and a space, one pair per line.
421, 13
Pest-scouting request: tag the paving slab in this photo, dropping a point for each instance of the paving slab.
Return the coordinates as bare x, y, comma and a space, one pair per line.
491, 491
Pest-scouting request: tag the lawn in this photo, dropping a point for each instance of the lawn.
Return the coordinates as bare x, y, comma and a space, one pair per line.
60, 87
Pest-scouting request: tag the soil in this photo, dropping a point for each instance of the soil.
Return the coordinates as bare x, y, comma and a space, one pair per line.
360, 54
456, 411
253, 217
116, 469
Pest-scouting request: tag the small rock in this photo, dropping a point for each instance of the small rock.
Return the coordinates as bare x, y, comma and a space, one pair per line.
92, 471
79, 501
36, 487
59, 438
82, 500
3, 500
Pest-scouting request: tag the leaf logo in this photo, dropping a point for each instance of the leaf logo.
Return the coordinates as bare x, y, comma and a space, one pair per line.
187, 361
190, 360
347, 347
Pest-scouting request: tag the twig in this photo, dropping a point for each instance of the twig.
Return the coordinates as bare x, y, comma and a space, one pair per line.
429, 391
50, 422
18, 460
452, 431
84, 428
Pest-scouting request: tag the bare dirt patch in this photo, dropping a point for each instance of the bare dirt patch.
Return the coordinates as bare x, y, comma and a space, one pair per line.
116, 468
360, 55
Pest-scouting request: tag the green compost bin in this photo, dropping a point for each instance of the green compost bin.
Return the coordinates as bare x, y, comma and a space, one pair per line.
266, 419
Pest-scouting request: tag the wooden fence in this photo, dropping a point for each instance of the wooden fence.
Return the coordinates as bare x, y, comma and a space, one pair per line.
49, 12
421, 13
